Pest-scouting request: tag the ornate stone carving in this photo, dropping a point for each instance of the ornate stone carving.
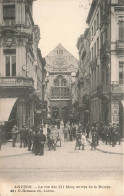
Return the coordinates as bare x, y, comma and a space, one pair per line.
9, 40
36, 34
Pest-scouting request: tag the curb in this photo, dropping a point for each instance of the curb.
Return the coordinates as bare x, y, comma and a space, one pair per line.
15, 155
104, 151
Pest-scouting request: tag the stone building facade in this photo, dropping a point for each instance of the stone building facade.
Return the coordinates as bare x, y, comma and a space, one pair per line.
21, 65
83, 83
61, 69
106, 29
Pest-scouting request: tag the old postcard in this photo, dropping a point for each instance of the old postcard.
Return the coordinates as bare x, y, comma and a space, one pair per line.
61, 97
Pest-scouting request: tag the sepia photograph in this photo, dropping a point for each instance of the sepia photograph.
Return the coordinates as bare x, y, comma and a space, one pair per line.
61, 97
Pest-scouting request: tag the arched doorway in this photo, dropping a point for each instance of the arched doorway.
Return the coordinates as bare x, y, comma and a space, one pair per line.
55, 112
65, 113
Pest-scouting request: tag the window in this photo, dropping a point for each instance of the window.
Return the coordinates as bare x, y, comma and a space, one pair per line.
94, 27
9, 14
102, 41
10, 65
92, 53
121, 72
101, 11
121, 2
92, 33
97, 45
63, 82
97, 20
56, 82
121, 30
60, 89
94, 50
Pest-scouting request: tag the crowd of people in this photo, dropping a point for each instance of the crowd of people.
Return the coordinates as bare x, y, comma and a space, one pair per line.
34, 138
108, 133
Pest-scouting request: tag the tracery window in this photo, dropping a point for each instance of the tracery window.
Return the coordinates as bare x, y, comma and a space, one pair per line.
60, 89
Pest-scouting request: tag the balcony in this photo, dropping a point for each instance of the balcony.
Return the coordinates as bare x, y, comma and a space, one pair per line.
93, 63
117, 88
120, 46
16, 82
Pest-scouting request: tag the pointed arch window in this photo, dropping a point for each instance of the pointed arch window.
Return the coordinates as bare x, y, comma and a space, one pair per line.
63, 82
56, 82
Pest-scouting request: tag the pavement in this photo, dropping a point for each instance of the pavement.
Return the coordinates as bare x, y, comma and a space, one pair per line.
118, 149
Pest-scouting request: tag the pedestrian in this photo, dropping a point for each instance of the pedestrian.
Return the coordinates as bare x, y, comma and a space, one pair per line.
81, 129
26, 136
0, 138
87, 130
78, 140
32, 140
14, 132
118, 135
29, 139
94, 138
48, 130
98, 132
58, 123
71, 132
110, 133
113, 134
44, 122
74, 131
106, 134
23, 136
83, 140
64, 122
42, 142
37, 141
65, 131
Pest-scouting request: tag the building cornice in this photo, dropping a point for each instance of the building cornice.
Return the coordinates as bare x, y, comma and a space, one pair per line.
59, 72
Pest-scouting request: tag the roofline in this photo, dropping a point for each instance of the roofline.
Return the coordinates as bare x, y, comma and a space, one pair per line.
92, 8
65, 49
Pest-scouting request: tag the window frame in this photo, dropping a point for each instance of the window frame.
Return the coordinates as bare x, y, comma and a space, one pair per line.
11, 65
9, 16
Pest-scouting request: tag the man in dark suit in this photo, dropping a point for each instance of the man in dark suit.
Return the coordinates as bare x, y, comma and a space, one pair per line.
42, 142
23, 136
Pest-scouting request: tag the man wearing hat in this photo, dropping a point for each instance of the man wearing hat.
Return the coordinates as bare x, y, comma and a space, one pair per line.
23, 136
14, 135
42, 139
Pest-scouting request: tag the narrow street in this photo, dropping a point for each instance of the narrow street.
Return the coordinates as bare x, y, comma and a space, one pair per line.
64, 164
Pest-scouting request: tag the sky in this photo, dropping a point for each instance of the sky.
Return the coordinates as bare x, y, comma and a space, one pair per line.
60, 21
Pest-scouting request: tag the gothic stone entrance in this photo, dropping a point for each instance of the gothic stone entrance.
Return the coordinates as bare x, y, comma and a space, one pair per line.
61, 109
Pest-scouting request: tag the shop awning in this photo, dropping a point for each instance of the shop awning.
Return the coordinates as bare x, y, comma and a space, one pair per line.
6, 105
122, 101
